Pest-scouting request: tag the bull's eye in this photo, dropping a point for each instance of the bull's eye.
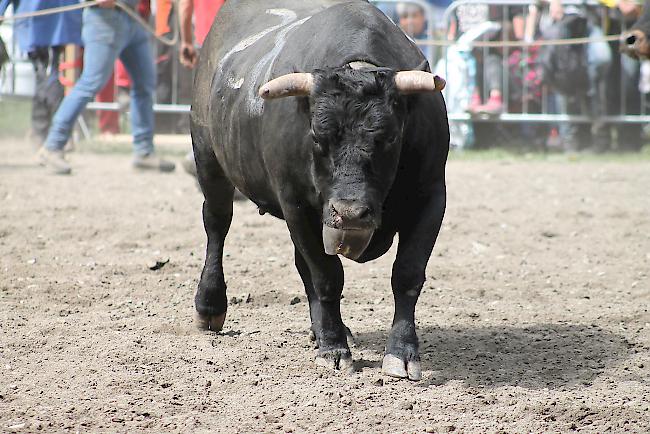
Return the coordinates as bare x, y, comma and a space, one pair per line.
388, 143
319, 149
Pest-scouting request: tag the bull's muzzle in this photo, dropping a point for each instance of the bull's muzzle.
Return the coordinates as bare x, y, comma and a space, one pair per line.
348, 228
350, 243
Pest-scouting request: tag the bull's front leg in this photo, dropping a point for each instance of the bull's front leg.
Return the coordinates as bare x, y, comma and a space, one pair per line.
322, 276
210, 298
417, 237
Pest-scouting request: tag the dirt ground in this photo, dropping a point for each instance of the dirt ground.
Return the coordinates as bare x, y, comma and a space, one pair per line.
534, 318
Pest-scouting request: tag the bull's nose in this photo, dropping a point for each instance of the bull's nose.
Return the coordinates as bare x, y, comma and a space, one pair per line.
350, 212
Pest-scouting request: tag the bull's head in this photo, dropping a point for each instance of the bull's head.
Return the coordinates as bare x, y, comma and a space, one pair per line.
357, 126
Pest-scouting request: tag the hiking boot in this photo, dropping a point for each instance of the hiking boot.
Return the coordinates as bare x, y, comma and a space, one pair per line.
152, 162
54, 161
189, 164
493, 106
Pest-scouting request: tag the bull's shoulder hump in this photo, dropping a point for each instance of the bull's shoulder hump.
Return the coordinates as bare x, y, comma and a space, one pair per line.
348, 31
240, 22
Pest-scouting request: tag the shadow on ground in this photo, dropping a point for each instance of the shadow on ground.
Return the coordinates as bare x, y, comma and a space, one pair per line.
542, 356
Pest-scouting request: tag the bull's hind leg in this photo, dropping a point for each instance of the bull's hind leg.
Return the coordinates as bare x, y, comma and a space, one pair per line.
416, 239
210, 299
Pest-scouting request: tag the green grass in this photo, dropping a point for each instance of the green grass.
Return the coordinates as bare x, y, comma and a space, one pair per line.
502, 154
15, 117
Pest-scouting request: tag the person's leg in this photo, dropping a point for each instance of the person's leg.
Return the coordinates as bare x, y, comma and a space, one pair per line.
599, 60
55, 91
629, 135
102, 39
137, 58
567, 130
40, 59
494, 74
476, 99
492, 66
577, 132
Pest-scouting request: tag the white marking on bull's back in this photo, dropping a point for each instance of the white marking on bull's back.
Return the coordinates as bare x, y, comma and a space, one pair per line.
255, 103
288, 16
235, 84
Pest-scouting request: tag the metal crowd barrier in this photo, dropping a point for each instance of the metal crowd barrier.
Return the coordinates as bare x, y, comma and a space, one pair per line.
525, 114
18, 72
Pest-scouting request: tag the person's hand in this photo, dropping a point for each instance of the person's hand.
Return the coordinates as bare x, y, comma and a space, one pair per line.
556, 10
629, 9
189, 55
106, 4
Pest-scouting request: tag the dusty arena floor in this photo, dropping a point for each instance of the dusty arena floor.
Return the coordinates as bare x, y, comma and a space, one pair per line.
534, 318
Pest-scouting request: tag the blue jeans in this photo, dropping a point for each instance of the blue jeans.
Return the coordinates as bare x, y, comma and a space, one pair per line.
108, 34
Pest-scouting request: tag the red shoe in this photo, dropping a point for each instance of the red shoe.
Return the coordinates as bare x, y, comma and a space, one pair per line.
474, 103
554, 141
493, 106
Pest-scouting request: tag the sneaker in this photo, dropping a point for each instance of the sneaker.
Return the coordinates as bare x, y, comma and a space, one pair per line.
152, 162
493, 106
54, 161
69, 147
474, 103
189, 164
554, 141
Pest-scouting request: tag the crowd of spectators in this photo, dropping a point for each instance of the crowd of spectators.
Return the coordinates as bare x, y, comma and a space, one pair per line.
591, 79
489, 81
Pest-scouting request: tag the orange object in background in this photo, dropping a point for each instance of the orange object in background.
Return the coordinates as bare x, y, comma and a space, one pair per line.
70, 68
163, 10
109, 121
204, 13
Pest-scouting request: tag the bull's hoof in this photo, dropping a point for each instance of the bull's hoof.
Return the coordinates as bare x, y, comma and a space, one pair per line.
338, 360
393, 366
212, 323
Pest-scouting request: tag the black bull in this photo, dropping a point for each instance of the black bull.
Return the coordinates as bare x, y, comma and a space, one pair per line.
350, 159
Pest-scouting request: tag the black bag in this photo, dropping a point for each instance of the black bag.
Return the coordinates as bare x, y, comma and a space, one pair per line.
564, 67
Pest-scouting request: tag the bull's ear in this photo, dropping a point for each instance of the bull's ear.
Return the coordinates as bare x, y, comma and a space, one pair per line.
424, 66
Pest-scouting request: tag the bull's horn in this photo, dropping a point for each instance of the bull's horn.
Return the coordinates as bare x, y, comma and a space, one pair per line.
297, 84
418, 81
